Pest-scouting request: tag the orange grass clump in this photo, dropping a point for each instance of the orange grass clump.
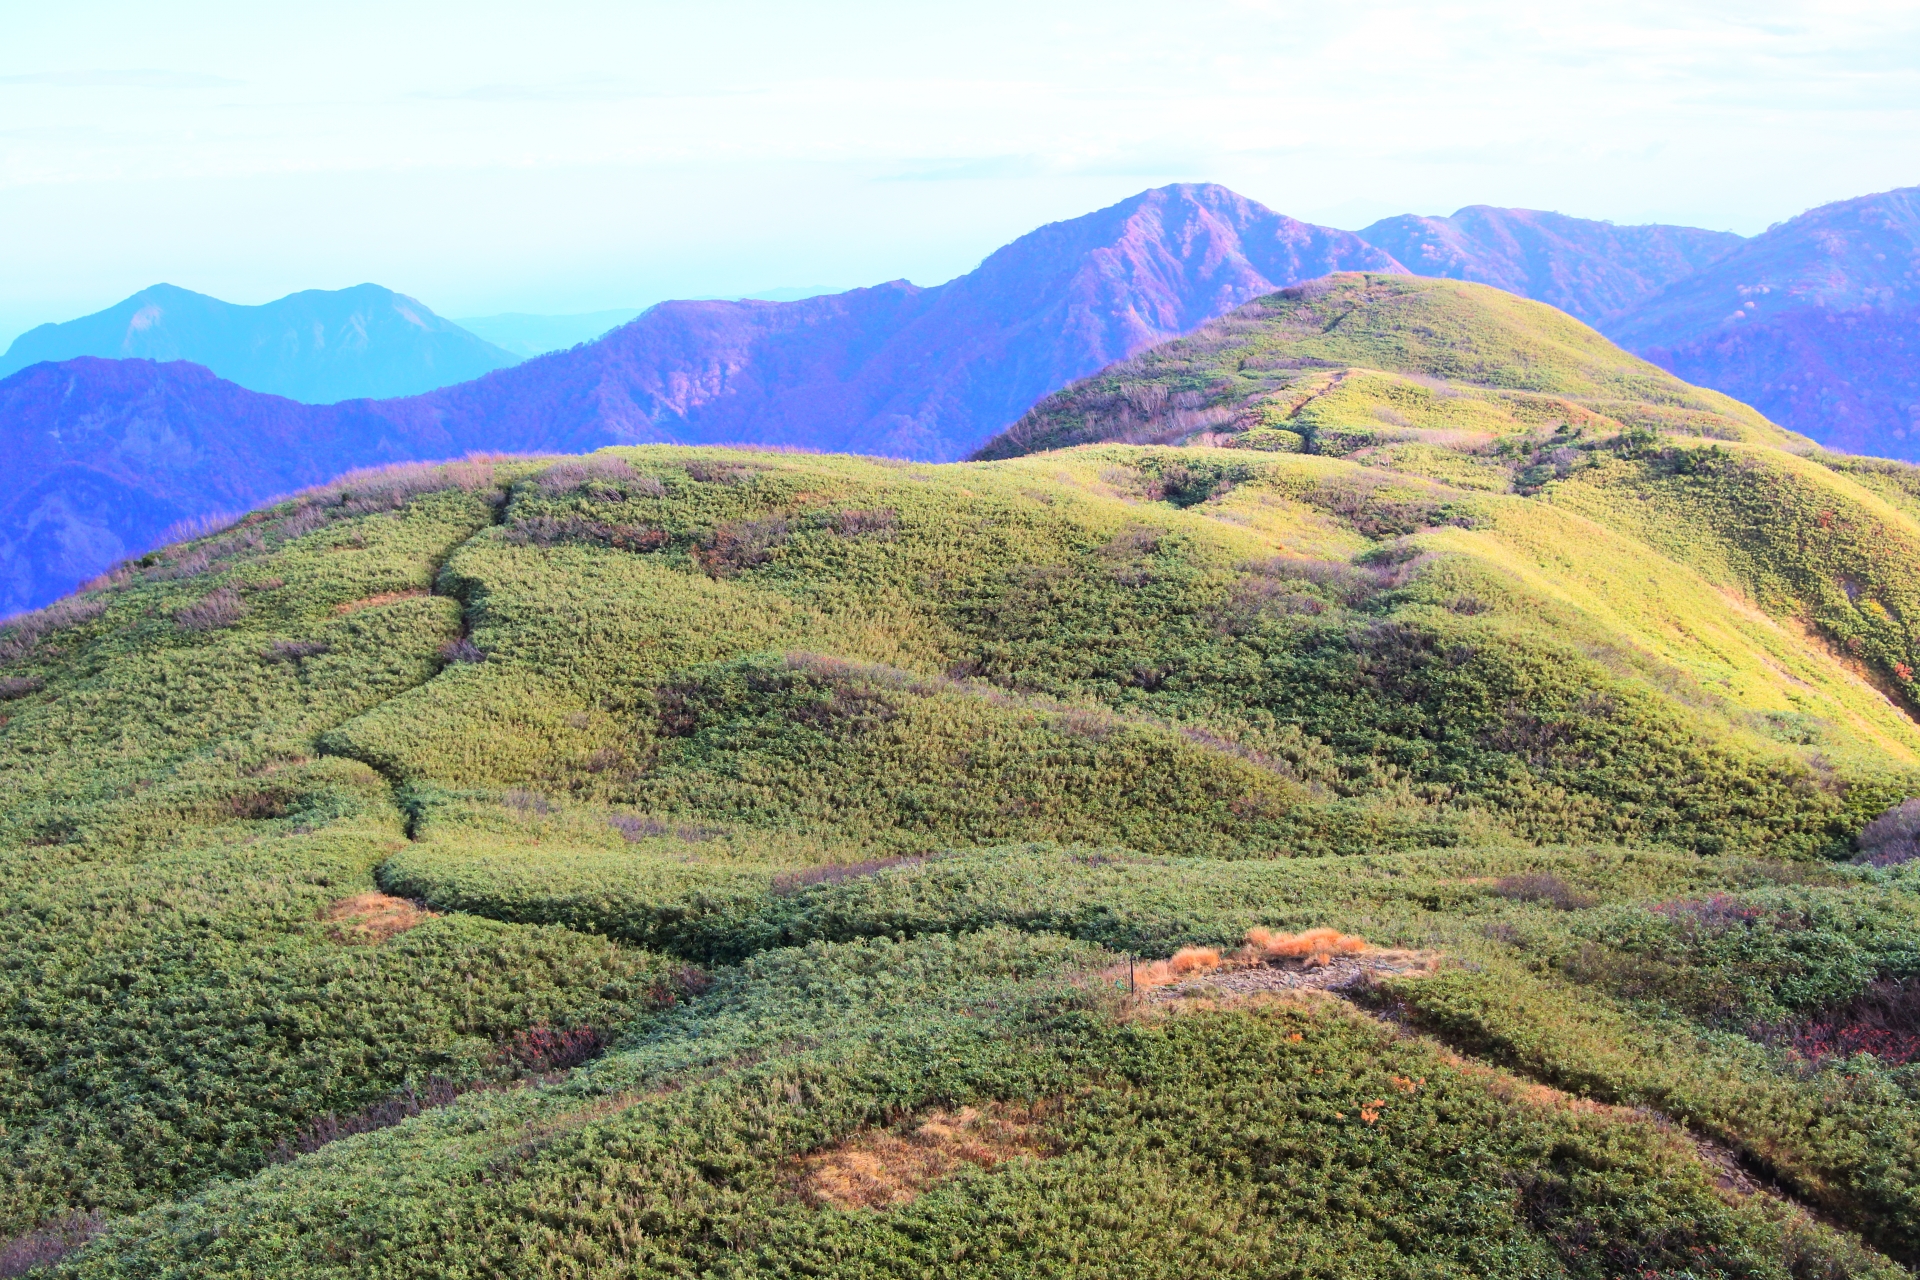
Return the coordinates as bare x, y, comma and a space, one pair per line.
875, 1168
1313, 948
1194, 960
1187, 962
373, 917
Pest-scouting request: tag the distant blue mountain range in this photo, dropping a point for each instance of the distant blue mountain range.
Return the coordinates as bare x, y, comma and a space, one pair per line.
319, 346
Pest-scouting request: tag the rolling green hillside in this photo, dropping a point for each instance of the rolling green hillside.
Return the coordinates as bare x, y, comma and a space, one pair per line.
688, 861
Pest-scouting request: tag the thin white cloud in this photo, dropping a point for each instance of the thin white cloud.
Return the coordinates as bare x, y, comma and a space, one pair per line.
132, 78
497, 156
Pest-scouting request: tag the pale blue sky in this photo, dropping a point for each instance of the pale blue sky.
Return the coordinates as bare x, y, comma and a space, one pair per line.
564, 156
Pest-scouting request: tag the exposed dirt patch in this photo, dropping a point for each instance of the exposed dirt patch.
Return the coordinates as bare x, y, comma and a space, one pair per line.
372, 917
385, 597
878, 1168
1859, 672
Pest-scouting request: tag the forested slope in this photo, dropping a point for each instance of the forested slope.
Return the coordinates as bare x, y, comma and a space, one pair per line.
687, 861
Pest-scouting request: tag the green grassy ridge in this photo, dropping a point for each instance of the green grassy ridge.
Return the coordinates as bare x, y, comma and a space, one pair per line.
1814, 540
1223, 1143
1084, 601
667, 896
1262, 365
1219, 653
1821, 936
798, 742
1896, 482
130, 689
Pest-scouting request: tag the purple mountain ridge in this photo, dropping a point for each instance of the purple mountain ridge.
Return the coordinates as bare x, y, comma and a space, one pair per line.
901, 370
119, 450
1590, 270
113, 452
1815, 322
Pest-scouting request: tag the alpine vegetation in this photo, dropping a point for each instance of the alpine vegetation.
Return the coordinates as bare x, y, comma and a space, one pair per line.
1390, 785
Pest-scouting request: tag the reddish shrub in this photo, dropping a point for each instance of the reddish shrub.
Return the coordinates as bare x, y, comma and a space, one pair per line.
740, 545
793, 881
546, 531
707, 471
294, 650
260, 804
854, 524
1716, 914
462, 650
846, 708
409, 1102
19, 686
1538, 886
217, 609
637, 828
1883, 1020
679, 709
21, 634
691, 980
46, 1245
603, 478
1893, 837
527, 801
542, 1048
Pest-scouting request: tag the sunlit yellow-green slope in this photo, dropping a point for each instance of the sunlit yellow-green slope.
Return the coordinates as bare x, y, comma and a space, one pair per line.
562, 866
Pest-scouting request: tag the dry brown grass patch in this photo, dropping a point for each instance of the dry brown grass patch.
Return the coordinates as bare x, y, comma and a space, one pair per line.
385, 597
1313, 949
878, 1168
373, 917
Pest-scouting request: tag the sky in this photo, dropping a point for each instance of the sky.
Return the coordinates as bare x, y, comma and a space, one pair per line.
572, 156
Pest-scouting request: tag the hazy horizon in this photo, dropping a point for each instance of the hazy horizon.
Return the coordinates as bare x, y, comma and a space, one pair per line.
591, 157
